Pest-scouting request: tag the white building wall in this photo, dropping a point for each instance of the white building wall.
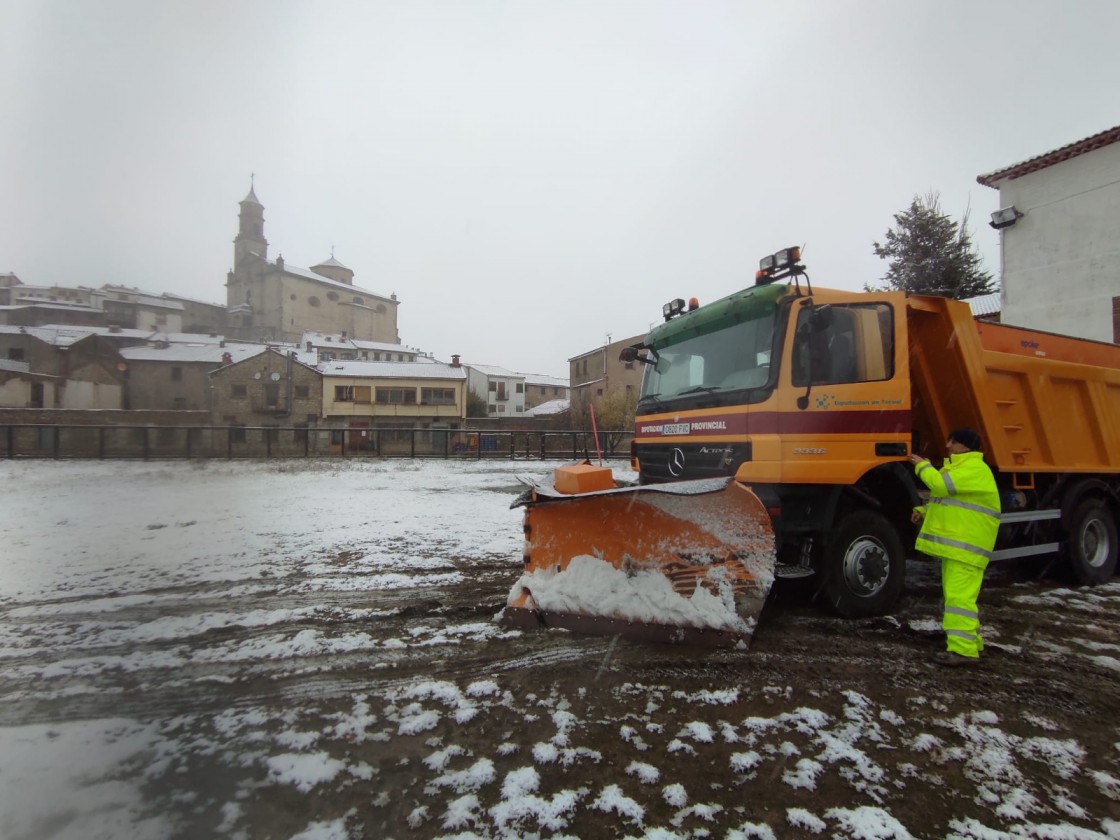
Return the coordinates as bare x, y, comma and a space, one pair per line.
1061, 260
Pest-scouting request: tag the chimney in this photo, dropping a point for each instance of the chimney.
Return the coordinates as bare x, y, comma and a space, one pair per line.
309, 347
455, 361
227, 359
222, 343
114, 328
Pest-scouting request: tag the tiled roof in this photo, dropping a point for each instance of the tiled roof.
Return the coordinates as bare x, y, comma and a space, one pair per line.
1017, 170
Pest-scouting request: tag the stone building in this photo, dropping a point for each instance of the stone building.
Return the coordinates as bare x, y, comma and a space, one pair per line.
600, 378
540, 389
273, 301
270, 388
86, 369
176, 377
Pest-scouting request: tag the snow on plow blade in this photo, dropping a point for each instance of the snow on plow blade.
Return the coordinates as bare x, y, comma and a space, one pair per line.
688, 562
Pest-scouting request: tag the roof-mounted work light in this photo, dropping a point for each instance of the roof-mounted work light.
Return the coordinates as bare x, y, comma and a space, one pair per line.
778, 265
673, 308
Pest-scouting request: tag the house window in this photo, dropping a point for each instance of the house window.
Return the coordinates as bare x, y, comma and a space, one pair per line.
332, 295
303, 392
272, 394
396, 396
344, 393
176, 374
161, 319
437, 396
237, 391
15, 354
362, 393
520, 387
314, 301
179, 404
237, 434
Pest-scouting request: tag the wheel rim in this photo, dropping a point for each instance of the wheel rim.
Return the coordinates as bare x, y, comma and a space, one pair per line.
866, 566
1094, 543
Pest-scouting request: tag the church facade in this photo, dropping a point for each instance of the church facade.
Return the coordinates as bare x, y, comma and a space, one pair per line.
273, 301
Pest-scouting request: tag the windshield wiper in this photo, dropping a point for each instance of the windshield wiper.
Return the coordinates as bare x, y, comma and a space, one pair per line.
705, 389
650, 398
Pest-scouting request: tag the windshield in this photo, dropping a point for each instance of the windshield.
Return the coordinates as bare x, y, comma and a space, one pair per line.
725, 350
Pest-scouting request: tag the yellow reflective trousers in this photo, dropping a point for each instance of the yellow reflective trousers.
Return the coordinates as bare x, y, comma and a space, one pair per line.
960, 583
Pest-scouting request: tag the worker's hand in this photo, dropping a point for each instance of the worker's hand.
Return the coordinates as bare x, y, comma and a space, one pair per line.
916, 517
916, 459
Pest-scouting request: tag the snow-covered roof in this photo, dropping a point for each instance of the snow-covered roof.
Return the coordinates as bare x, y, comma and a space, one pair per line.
10, 364
39, 303
391, 370
547, 409
326, 281
206, 353
544, 381
64, 336
333, 340
174, 296
1080, 147
493, 370
988, 304
331, 262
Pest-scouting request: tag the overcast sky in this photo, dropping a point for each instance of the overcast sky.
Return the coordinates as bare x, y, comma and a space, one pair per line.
527, 177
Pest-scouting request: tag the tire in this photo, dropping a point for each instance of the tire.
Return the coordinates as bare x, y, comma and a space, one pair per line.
1092, 545
864, 566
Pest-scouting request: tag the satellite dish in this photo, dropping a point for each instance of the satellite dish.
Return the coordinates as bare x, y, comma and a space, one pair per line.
257, 375
275, 377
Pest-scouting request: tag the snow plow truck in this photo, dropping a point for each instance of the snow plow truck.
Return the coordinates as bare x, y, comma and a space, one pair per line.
771, 440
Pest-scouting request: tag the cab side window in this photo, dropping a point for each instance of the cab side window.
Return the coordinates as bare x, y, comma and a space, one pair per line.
853, 344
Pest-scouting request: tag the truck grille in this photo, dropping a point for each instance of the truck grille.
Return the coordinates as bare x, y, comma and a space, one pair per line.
666, 462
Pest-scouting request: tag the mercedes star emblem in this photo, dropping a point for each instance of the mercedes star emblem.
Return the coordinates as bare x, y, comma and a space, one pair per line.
676, 462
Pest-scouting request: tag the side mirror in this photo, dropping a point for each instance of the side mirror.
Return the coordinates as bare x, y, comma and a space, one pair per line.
633, 354
821, 318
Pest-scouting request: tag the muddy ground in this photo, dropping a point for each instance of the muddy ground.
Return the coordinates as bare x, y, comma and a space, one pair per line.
1048, 670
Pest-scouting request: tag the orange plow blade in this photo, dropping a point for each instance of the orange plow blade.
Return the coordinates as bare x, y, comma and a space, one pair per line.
689, 562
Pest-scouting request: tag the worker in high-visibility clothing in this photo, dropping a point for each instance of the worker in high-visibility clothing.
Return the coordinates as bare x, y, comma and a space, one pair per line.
959, 526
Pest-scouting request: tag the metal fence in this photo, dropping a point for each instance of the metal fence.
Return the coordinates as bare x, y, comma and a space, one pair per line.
160, 442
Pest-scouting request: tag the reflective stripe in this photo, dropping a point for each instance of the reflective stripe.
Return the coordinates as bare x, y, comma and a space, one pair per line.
961, 634
940, 500
964, 612
955, 544
925, 465
949, 485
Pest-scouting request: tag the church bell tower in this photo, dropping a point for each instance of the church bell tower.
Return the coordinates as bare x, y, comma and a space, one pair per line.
250, 234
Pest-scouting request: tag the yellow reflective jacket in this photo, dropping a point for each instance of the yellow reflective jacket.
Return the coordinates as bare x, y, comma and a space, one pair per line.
962, 517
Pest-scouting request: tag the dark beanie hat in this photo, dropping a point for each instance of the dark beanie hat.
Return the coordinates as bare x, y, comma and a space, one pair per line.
966, 437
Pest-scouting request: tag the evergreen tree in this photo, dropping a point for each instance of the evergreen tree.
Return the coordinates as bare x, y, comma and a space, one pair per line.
929, 254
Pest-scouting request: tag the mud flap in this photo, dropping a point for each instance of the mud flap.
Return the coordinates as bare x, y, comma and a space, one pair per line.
688, 562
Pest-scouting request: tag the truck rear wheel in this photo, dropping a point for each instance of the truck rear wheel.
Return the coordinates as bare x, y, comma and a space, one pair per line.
864, 566
1093, 543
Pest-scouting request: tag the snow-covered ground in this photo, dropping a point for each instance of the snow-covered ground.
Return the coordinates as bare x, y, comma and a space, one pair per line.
308, 650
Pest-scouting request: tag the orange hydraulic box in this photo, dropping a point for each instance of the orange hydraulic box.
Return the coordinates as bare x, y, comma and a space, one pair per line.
582, 478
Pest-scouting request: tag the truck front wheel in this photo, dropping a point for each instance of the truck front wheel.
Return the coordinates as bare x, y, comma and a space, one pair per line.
864, 566
1092, 543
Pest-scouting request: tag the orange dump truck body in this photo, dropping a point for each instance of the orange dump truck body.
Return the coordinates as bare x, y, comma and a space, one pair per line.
1043, 403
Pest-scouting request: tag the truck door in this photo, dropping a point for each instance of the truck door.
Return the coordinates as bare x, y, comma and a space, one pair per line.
845, 404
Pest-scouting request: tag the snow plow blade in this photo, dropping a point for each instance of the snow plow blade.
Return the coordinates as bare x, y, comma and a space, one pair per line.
689, 562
